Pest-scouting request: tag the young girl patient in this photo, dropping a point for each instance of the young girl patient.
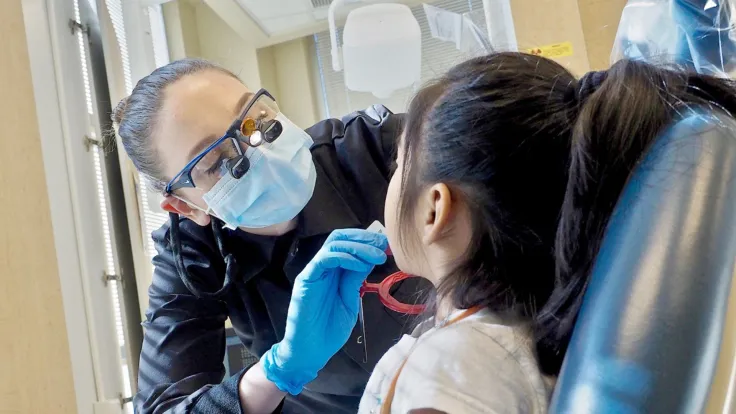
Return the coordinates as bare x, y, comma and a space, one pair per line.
494, 156
473, 207
507, 173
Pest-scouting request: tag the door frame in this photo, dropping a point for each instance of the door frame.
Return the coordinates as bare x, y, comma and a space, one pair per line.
64, 122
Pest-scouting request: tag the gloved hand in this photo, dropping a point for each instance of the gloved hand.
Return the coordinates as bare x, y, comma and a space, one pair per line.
324, 307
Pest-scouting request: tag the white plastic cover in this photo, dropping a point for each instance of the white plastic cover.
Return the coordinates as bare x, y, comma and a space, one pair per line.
698, 34
382, 49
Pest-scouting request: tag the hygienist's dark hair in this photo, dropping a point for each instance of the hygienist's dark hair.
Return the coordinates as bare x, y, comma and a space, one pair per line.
135, 119
540, 158
136, 116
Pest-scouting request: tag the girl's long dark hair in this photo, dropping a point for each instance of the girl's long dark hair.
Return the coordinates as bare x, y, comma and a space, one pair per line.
540, 158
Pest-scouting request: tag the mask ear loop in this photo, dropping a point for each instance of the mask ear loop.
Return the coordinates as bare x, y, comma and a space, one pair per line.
230, 261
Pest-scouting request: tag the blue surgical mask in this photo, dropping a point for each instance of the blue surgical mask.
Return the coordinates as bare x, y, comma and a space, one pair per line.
275, 189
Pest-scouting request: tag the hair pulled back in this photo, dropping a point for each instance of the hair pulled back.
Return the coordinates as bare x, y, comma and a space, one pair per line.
136, 116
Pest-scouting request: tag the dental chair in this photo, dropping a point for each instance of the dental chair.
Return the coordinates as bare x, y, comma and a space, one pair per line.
650, 334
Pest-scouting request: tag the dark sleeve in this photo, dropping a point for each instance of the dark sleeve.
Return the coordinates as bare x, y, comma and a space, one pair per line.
181, 363
365, 141
381, 129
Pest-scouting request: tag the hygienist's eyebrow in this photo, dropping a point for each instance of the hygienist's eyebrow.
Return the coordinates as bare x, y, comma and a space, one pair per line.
240, 105
206, 141
201, 145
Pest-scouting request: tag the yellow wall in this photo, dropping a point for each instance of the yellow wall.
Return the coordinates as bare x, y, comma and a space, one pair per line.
543, 22
600, 21
180, 22
285, 69
590, 25
267, 70
292, 70
219, 43
36, 374
194, 30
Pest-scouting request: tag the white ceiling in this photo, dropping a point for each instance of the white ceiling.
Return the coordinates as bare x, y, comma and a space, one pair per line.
280, 16
268, 22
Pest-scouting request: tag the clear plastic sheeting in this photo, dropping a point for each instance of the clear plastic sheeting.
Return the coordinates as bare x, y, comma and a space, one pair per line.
469, 31
466, 30
697, 34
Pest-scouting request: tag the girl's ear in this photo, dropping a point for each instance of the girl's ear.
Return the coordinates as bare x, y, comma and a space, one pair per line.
437, 206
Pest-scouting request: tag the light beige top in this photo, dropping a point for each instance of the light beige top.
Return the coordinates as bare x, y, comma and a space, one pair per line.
481, 364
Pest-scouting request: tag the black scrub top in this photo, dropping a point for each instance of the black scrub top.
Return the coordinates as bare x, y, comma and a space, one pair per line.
181, 366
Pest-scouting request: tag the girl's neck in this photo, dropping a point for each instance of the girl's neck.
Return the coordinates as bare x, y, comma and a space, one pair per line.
445, 309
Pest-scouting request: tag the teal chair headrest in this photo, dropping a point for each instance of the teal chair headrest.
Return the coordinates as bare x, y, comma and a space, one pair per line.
648, 336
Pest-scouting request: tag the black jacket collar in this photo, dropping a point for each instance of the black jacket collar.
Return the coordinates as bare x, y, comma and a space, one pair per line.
327, 210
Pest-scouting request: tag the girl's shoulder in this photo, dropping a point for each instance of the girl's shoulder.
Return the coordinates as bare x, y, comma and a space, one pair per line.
483, 332
483, 364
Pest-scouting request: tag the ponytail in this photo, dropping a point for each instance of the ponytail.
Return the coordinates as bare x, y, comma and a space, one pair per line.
615, 126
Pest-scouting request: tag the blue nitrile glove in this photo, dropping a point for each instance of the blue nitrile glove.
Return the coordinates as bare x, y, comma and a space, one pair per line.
324, 307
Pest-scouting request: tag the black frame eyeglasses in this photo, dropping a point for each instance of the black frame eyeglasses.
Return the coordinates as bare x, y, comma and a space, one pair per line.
248, 130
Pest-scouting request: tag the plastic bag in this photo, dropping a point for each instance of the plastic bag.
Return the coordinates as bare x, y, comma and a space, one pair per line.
467, 30
696, 34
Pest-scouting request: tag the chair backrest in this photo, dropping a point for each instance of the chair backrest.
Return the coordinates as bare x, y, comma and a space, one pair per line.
648, 335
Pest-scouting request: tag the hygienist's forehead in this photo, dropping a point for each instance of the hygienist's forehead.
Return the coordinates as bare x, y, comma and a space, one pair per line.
207, 94
197, 110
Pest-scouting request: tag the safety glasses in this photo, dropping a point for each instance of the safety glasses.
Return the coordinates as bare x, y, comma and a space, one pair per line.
255, 125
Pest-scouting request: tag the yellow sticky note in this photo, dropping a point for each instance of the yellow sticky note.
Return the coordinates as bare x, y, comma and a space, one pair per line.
556, 50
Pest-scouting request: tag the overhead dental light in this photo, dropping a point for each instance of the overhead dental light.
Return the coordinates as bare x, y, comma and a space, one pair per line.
381, 48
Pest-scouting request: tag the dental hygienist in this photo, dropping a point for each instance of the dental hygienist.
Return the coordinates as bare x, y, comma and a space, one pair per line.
253, 198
